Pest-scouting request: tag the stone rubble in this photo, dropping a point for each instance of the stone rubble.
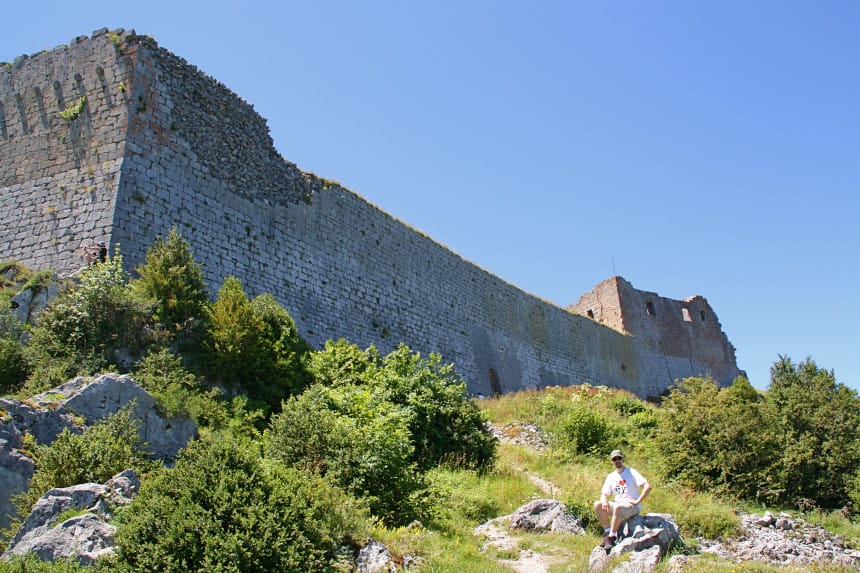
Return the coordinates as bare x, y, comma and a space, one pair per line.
783, 540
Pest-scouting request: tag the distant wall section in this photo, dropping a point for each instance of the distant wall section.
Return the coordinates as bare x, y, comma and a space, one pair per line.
199, 158
675, 338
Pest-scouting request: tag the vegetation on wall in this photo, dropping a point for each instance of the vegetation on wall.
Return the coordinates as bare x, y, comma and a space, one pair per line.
74, 109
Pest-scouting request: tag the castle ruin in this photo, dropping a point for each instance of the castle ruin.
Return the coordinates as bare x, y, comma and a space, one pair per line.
114, 138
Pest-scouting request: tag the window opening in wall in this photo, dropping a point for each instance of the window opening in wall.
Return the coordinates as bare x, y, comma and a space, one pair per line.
649, 308
702, 314
686, 312
590, 314
495, 385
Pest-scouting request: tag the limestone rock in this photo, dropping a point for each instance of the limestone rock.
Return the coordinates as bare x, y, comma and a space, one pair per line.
643, 561
73, 405
27, 304
16, 469
375, 558
84, 537
647, 538
546, 515
92, 399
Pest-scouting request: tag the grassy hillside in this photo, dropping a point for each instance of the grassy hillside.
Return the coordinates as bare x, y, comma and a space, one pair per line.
347, 443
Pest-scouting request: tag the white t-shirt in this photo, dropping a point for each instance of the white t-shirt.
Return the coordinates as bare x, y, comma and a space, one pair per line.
624, 486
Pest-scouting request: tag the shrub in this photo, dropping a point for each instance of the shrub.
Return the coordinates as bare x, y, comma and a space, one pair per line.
82, 328
445, 425
13, 366
819, 421
355, 437
171, 277
223, 508
626, 405
582, 431
721, 440
253, 346
32, 564
284, 350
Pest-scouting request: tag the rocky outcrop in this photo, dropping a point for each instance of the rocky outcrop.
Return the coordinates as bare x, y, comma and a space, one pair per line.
545, 516
27, 303
647, 538
72, 522
84, 401
74, 405
16, 469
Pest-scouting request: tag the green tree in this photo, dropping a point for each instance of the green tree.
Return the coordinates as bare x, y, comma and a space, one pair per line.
445, 424
284, 351
223, 508
13, 364
171, 277
819, 420
233, 345
253, 346
722, 440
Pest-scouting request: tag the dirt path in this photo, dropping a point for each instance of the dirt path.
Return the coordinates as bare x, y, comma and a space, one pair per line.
498, 534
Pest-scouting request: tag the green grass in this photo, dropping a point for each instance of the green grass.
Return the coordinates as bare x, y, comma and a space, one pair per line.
466, 499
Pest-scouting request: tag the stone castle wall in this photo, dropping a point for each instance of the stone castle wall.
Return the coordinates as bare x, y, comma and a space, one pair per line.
675, 338
58, 177
173, 147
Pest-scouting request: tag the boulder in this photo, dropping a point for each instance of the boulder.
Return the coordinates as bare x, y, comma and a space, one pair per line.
74, 405
643, 561
85, 535
16, 469
27, 304
546, 515
647, 538
375, 557
89, 400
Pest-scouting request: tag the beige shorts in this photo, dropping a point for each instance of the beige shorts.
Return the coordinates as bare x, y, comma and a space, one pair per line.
627, 510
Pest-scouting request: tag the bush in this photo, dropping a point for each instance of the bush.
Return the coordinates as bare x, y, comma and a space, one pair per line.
626, 405
583, 431
253, 346
172, 278
356, 438
82, 329
223, 508
445, 425
285, 351
721, 440
819, 424
13, 366
32, 564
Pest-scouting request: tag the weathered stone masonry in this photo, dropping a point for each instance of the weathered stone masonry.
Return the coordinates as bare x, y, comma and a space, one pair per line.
160, 144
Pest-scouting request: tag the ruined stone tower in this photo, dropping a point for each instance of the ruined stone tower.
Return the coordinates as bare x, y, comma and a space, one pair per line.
114, 138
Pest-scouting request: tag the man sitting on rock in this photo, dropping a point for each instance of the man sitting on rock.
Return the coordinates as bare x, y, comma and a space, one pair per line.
629, 489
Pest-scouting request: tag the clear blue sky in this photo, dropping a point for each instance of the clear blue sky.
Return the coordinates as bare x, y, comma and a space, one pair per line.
692, 147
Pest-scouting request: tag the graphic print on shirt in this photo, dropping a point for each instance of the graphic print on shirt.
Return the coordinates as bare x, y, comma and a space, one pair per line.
620, 488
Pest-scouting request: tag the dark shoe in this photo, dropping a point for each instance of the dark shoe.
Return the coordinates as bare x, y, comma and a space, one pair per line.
610, 542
